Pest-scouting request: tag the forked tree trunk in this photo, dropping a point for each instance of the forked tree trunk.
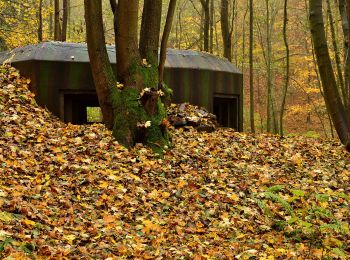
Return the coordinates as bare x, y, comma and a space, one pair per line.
136, 106
331, 94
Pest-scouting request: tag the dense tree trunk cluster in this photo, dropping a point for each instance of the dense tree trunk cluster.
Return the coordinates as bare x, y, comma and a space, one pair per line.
134, 108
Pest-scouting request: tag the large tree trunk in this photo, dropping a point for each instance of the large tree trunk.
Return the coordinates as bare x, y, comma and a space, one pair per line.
150, 28
331, 94
100, 65
225, 29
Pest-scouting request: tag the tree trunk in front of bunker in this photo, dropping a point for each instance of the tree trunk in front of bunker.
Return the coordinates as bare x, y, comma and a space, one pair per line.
141, 110
133, 108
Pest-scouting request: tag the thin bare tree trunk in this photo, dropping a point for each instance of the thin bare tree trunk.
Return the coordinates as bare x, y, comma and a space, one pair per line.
57, 24
336, 53
40, 21
114, 8
206, 10
345, 26
251, 65
165, 38
272, 125
286, 81
64, 21
269, 73
212, 11
225, 29
51, 22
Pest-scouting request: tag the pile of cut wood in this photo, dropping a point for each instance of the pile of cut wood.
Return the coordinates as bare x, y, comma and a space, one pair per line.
186, 115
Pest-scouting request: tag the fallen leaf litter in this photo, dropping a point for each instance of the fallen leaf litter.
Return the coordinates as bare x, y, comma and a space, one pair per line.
72, 191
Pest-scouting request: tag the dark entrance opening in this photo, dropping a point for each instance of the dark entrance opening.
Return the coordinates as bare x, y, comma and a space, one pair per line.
75, 106
226, 110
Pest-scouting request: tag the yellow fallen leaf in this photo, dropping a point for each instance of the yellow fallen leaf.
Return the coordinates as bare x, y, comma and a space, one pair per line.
165, 195
150, 226
234, 197
29, 222
5, 216
154, 194
104, 184
181, 184
69, 238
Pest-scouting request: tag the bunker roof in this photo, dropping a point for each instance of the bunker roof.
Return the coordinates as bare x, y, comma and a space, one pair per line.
77, 52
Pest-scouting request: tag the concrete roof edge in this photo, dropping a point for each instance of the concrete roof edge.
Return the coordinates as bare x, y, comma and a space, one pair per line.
32, 52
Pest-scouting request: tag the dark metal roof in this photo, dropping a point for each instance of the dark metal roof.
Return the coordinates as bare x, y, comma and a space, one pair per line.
77, 52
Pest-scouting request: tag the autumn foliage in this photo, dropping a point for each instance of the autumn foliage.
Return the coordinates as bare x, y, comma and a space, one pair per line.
72, 191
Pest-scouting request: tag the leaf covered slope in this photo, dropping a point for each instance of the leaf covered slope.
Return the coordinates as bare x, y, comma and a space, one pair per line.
72, 191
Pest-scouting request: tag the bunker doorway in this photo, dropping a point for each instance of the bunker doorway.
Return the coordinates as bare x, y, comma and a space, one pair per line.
226, 109
75, 107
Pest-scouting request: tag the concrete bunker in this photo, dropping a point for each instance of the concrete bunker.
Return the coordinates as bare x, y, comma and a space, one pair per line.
62, 81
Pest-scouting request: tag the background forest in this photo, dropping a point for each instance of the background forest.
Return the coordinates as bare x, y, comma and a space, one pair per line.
202, 25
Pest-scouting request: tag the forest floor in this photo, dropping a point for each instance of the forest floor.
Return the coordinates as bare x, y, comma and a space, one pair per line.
69, 191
